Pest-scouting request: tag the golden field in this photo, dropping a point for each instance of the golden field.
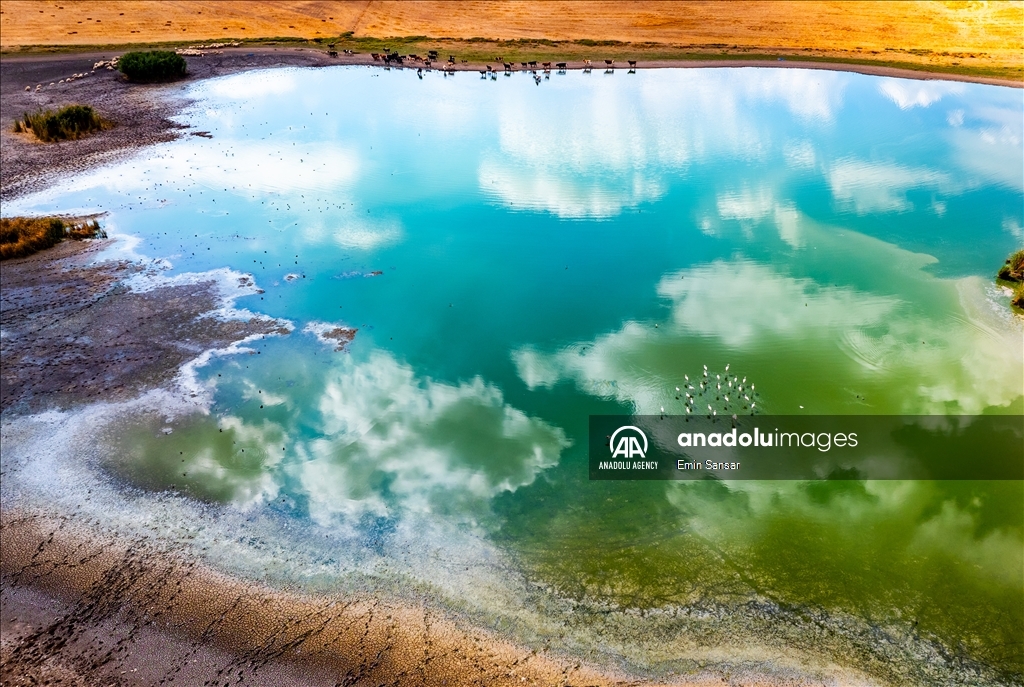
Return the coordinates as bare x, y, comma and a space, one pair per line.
957, 36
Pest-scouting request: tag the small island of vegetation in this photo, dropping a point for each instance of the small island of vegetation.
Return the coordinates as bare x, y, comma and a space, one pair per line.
1013, 271
69, 122
152, 66
22, 236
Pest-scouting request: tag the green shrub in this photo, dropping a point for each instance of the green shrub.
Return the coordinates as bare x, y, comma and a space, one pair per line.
1018, 296
1013, 270
70, 122
155, 65
21, 236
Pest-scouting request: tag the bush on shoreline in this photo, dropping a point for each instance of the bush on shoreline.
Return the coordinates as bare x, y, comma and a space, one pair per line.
152, 66
69, 122
1013, 270
22, 236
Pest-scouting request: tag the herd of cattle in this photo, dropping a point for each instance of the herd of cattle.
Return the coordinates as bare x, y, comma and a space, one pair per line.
389, 57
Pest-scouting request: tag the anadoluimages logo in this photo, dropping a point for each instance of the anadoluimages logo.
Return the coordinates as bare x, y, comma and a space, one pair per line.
628, 444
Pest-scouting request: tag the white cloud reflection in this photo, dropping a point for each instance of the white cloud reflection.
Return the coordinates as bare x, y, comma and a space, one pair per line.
869, 187
392, 439
253, 84
751, 207
990, 144
880, 341
594, 152
908, 94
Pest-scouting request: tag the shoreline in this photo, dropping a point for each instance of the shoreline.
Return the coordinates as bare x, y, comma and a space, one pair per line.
767, 59
193, 622
142, 113
75, 332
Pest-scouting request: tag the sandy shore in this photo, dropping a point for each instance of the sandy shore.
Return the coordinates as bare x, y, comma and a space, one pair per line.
83, 607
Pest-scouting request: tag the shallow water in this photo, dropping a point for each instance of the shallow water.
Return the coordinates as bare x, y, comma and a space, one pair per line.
517, 257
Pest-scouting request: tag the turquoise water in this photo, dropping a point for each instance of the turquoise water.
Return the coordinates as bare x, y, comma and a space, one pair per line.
518, 256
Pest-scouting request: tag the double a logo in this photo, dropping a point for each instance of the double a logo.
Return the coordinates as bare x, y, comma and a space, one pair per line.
625, 442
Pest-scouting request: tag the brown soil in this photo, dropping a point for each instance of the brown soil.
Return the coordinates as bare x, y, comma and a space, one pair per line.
969, 34
73, 333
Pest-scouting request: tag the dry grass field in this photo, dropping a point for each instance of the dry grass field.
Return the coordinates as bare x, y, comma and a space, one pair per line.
968, 37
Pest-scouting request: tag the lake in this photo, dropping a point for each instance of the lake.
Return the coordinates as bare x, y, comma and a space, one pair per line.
517, 256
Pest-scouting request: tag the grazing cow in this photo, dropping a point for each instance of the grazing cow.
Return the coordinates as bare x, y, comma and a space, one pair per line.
508, 66
432, 54
546, 65
586, 63
451, 58
533, 64
632, 64
609, 63
561, 66
332, 53
524, 65
488, 67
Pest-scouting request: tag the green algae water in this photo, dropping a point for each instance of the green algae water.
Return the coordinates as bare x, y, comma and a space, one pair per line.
515, 257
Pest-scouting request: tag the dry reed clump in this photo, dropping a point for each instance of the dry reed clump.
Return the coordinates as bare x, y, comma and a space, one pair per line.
69, 122
21, 236
1013, 270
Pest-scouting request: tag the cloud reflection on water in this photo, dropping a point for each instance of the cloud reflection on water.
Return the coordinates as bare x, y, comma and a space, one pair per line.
907, 353
597, 153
